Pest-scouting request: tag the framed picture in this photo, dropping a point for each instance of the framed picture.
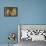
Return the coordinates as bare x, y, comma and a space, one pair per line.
10, 11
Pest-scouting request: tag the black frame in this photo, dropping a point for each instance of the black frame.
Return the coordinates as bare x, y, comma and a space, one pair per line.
5, 8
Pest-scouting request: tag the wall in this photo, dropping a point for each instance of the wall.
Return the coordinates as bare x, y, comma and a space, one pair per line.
29, 12
7, 24
33, 12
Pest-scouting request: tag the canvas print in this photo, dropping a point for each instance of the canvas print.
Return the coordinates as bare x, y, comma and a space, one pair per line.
10, 11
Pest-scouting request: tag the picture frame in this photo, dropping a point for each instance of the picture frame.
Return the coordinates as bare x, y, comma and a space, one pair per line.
10, 11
